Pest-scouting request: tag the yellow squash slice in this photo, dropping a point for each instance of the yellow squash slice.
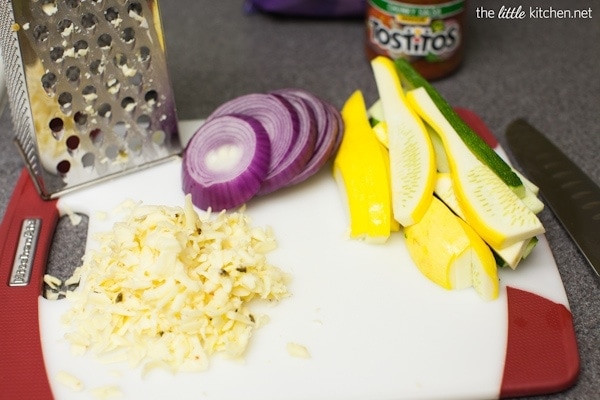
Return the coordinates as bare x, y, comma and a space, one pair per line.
361, 169
448, 252
511, 255
412, 161
490, 207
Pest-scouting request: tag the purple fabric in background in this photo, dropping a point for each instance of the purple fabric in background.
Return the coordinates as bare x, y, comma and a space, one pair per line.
309, 8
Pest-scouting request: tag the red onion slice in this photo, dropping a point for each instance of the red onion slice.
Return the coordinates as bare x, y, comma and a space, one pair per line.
335, 115
278, 118
226, 161
300, 150
329, 130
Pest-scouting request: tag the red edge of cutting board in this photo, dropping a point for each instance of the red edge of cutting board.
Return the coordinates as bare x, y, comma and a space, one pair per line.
535, 324
22, 369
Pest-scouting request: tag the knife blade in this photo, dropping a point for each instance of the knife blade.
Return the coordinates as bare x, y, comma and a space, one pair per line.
572, 195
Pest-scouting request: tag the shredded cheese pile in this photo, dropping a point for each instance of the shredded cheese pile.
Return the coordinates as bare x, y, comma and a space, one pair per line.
166, 288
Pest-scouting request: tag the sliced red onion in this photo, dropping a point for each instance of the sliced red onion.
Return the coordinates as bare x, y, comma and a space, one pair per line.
302, 132
226, 161
300, 150
279, 119
329, 129
339, 122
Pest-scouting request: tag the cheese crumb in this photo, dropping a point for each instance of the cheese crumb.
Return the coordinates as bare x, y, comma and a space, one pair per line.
297, 350
107, 392
166, 288
52, 281
69, 381
74, 218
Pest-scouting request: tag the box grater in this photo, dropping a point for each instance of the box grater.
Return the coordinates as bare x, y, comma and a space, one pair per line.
88, 88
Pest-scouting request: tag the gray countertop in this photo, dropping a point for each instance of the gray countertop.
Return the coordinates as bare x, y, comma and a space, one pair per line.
545, 70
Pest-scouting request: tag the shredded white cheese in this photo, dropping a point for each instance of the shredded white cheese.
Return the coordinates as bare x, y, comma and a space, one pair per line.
167, 288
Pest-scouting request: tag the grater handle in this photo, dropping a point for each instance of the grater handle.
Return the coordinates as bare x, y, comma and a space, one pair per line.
22, 370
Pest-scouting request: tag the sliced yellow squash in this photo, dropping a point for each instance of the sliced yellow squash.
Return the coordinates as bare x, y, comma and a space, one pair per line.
412, 161
448, 252
490, 207
361, 170
472, 140
509, 255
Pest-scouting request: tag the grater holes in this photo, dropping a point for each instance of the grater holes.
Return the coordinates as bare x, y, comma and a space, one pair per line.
135, 144
159, 137
120, 60
128, 35
65, 101
89, 94
72, 3
49, 81
73, 73
49, 7
105, 110
96, 137
113, 86
112, 151
120, 130
88, 160
143, 55
143, 122
151, 97
81, 48
72, 142
128, 104
136, 79
96, 67
80, 118
65, 27
75, 66
89, 21
41, 33
57, 53
56, 126
63, 167
111, 14
104, 41
135, 10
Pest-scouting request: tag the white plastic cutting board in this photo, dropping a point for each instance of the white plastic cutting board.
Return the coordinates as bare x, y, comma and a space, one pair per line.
374, 326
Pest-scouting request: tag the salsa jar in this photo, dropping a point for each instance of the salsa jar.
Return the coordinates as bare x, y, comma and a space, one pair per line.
430, 34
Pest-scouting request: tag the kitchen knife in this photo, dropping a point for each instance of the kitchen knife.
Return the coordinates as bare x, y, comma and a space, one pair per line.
569, 192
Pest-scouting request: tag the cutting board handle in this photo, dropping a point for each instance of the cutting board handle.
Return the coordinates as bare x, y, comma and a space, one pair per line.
22, 370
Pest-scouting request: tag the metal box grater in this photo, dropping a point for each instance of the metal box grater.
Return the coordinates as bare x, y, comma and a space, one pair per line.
88, 87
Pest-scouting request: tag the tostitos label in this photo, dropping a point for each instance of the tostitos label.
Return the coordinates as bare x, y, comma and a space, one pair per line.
431, 32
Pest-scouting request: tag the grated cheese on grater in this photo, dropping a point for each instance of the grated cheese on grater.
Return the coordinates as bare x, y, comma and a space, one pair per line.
167, 288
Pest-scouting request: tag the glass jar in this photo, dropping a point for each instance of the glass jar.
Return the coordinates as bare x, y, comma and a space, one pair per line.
428, 33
